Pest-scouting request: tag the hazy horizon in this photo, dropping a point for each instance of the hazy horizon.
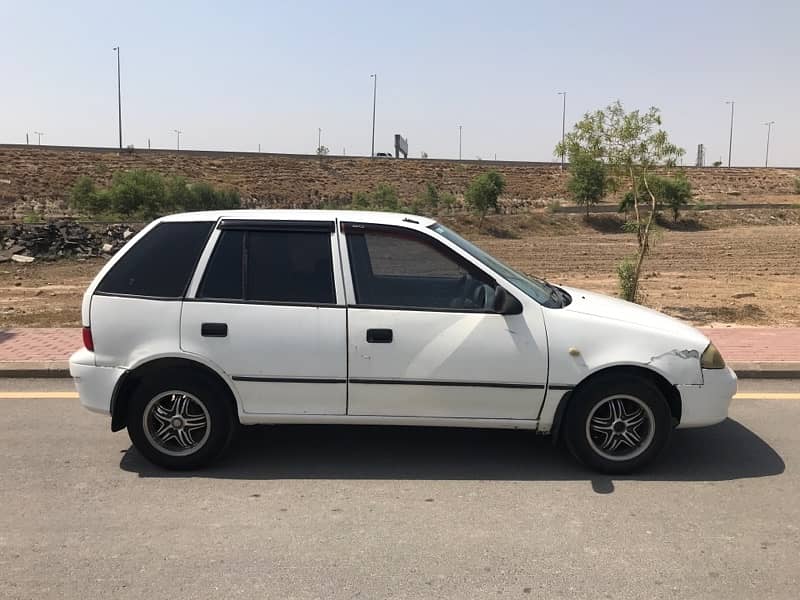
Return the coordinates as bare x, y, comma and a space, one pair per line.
272, 74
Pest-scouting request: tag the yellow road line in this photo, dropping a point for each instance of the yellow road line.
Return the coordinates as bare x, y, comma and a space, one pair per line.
74, 395
766, 396
24, 395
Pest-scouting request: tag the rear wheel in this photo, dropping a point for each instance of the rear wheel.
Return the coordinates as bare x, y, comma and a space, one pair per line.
617, 425
180, 419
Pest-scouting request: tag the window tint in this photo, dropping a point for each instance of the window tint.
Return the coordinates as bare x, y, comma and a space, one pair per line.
224, 274
160, 264
271, 266
404, 270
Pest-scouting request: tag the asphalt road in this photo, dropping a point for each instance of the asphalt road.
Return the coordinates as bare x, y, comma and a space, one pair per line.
344, 512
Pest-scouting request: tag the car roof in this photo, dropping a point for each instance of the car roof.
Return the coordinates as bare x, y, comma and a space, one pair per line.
259, 214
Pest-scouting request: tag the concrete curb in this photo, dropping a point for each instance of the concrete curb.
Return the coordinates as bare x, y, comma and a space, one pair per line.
35, 370
766, 370
60, 368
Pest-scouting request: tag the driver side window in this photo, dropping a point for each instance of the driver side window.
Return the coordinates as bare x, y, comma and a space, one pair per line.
403, 269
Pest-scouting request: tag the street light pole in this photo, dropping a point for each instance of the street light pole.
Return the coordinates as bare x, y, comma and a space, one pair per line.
459, 141
374, 99
563, 125
119, 98
178, 132
730, 143
769, 125
40, 134
319, 138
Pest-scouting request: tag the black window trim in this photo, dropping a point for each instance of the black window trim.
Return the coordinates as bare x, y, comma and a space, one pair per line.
192, 271
276, 225
358, 228
245, 225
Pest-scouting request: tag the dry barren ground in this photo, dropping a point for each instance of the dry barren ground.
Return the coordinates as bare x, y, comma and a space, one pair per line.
716, 267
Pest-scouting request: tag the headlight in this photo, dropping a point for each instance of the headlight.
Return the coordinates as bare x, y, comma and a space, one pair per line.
711, 358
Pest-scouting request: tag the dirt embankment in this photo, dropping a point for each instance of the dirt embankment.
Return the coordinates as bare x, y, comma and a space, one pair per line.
37, 179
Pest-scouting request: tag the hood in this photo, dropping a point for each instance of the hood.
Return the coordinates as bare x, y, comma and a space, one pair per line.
606, 307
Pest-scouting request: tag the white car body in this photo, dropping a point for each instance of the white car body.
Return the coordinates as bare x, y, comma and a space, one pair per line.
301, 363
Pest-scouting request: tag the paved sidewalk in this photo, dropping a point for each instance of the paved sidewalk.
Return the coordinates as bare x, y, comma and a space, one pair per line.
751, 351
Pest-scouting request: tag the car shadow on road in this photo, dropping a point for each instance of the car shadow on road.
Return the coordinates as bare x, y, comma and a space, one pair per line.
723, 452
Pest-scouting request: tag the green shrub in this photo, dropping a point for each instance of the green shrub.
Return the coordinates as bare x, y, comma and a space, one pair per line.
483, 194
672, 193
143, 194
626, 275
385, 198
84, 198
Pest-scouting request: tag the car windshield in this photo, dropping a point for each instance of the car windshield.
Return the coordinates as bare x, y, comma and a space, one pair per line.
538, 289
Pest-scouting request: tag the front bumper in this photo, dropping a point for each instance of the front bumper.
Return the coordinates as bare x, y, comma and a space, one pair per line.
707, 404
95, 384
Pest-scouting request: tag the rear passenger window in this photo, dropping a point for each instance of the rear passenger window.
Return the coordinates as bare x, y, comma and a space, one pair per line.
160, 264
271, 266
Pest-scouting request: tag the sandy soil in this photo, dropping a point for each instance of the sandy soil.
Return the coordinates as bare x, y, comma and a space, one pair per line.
716, 267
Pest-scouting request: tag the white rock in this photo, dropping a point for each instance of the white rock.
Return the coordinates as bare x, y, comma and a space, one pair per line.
107, 247
22, 259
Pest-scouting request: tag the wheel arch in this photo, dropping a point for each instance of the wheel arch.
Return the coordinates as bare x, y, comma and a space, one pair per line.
130, 380
669, 390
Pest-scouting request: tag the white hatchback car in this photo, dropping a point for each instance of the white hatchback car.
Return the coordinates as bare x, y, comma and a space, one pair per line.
207, 320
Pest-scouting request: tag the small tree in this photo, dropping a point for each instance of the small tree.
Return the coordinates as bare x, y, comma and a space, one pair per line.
631, 144
587, 182
483, 194
674, 193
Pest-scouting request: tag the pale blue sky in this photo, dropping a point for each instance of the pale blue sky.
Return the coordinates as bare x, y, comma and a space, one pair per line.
232, 75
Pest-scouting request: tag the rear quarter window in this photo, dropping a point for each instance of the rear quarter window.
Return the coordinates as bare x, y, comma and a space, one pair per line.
160, 264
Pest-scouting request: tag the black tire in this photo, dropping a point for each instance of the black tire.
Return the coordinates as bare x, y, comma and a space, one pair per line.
603, 423
194, 396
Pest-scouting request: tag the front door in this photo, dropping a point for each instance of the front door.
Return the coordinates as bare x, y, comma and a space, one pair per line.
266, 311
423, 340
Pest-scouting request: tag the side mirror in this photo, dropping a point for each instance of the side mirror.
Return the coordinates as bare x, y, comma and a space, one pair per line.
505, 303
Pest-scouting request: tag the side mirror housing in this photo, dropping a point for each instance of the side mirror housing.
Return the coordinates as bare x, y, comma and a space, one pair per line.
505, 303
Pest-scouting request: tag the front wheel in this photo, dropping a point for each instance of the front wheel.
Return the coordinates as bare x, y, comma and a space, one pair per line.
618, 425
180, 419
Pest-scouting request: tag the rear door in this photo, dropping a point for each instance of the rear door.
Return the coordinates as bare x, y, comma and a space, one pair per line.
423, 340
269, 310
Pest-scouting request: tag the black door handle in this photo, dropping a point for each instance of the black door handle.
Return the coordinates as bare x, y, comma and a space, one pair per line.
380, 336
214, 330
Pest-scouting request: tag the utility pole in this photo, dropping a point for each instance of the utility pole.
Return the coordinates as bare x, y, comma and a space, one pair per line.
27, 141
259, 148
459, 141
119, 98
730, 143
563, 125
769, 125
374, 99
148, 143
40, 134
178, 132
319, 139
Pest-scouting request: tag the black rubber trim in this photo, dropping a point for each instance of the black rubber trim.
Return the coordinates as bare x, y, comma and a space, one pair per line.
441, 383
276, 225
287, 379
140, 296
560, 387
262, 302
481, 311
